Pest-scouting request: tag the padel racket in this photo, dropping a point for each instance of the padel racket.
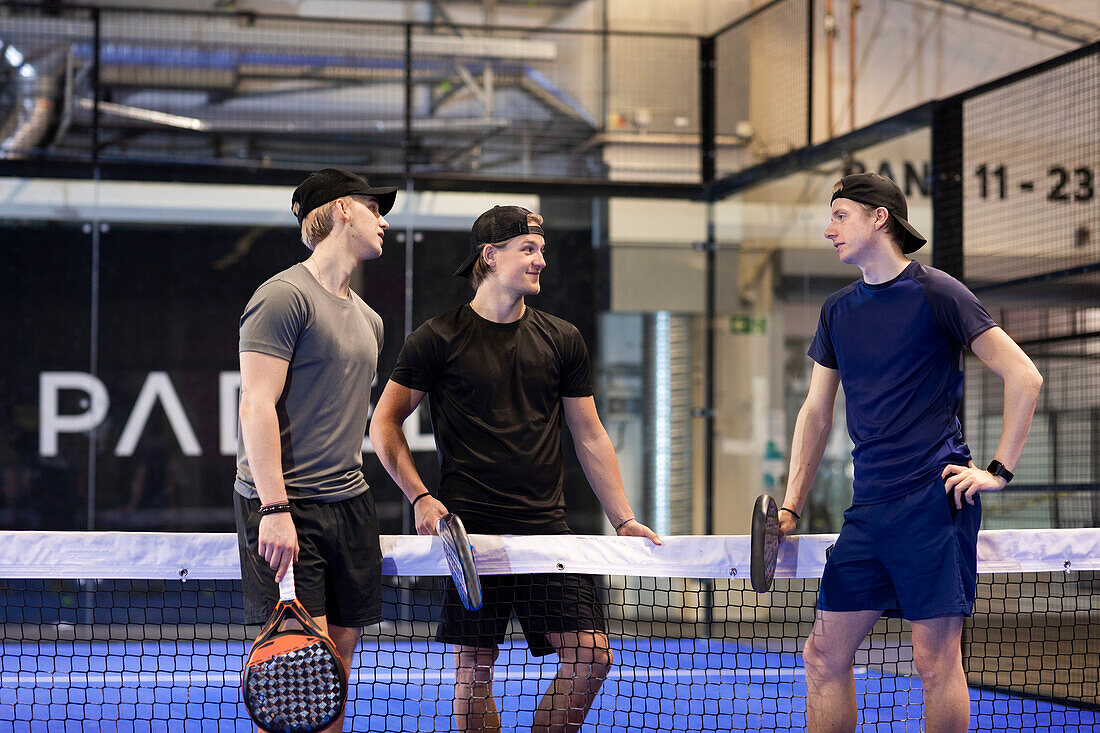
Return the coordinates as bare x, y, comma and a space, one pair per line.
460, 558
764, 547
294, 680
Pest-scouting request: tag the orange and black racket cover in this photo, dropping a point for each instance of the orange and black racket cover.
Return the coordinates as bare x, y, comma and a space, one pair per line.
294, 680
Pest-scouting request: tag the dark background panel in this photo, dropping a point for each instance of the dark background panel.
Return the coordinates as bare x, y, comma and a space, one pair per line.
168, 300
45, 294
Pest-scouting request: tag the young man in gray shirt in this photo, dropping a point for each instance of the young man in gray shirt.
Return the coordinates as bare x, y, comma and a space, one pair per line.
308, 351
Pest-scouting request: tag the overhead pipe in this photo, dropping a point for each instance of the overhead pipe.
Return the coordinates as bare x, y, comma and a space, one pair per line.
225, 33
853, 8
830, 36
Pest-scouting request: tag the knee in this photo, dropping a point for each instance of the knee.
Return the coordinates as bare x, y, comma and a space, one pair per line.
595, 662
823, 662
935, 666
602, 660
591, 658
476, 664
479, 657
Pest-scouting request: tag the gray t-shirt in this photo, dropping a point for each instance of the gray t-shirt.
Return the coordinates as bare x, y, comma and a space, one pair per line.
332, 345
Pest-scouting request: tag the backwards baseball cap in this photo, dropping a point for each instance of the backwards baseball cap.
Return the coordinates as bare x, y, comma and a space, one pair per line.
329, 184
875, 190
496, 225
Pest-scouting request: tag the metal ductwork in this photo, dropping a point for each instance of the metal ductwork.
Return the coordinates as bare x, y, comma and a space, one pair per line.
668, 379
38, 89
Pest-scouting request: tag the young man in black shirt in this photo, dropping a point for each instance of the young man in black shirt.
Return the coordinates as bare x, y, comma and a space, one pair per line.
501, 377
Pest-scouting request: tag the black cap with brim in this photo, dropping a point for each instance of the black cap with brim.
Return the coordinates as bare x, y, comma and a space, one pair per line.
875, 190
329, 184
467, 265
498, 224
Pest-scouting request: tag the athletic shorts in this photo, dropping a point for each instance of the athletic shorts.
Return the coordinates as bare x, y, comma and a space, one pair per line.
914, 557
339, 570
543, 602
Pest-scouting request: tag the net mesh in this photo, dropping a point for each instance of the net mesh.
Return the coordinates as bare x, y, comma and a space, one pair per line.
139, 631
1018, 166
762, 71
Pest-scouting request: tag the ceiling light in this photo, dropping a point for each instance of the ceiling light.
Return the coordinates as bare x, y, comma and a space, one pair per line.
11, 53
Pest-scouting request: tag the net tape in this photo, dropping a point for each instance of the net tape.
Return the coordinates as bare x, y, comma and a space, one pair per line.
186, 556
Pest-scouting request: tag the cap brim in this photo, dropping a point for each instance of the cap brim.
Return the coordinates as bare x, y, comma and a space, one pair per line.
386, 196
913, 239
467, 266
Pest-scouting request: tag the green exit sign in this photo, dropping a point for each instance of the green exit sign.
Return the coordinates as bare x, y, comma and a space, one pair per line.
749, 324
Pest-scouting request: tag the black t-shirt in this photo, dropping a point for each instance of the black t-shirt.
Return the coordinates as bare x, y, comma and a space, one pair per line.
495, 394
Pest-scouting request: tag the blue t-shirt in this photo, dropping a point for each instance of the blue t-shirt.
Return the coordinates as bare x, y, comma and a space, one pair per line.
898, 347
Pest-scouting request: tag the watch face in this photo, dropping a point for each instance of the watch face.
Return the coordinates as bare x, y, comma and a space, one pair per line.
998, 469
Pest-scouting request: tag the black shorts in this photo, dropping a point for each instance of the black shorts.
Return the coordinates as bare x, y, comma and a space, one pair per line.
339, 570
544, 603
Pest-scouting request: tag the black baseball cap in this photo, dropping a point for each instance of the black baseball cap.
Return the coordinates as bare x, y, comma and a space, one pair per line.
875, 190
329, 184
496, 225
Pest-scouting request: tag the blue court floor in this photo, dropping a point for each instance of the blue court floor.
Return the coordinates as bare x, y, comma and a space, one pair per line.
656, 685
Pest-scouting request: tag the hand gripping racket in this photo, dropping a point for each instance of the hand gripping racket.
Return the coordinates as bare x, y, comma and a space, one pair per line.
460, 558
764, 547
294, 680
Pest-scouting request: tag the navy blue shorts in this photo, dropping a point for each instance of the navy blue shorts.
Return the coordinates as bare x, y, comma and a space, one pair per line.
914, 557
339, 570
543, 602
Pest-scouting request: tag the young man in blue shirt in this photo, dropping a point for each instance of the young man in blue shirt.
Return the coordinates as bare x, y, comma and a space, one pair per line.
894, 340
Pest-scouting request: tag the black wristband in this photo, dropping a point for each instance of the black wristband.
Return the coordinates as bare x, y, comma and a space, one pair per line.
792, 512
624, 523
274, 509
998, 469
426, 493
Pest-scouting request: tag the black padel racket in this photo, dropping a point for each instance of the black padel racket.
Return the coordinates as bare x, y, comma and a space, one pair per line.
765, 543
294, 680
460, 558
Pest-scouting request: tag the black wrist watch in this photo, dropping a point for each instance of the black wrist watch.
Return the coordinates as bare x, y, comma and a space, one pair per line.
998, 469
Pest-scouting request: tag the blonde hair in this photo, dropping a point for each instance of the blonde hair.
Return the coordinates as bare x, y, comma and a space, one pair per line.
481, 269
318, 224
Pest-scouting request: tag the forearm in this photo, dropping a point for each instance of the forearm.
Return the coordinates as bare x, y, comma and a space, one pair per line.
1020, 398
260, 433
601, 467
396, 457
811, 434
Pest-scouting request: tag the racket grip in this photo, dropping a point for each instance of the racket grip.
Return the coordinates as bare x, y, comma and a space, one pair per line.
286, 585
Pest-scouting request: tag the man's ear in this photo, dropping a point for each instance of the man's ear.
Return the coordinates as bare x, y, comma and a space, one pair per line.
489, 254
343, 208
881, 217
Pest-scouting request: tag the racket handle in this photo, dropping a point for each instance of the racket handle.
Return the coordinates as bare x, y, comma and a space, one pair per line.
286, 585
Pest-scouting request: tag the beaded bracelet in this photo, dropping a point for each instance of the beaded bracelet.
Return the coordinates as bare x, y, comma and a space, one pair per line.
278, 508
624, 523
792, 512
